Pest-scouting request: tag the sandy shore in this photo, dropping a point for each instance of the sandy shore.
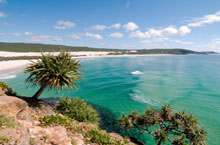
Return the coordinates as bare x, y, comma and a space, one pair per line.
6, 66
80, 53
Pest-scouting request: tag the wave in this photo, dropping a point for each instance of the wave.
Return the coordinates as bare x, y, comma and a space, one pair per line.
136, 73
140, 97
7, 77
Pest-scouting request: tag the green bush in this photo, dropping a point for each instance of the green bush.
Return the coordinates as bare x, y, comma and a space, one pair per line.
6, 89
78, 109
4, 139
96, 136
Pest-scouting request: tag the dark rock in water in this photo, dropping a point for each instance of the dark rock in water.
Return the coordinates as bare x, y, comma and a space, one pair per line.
134, 140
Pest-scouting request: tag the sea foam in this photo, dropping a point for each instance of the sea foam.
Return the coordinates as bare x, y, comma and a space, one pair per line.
136, 73
7, 77
140, 97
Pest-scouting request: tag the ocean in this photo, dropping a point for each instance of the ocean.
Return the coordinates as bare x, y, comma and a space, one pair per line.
118, 85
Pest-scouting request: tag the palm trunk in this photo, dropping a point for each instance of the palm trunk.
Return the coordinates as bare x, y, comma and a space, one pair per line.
160, 141
39, 92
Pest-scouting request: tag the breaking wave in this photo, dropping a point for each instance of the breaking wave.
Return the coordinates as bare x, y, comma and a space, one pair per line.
140, 97
7, 77
136, 73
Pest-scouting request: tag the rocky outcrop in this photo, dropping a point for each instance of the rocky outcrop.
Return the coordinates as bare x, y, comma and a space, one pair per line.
49, 135
11, 106
16, 136
28, 131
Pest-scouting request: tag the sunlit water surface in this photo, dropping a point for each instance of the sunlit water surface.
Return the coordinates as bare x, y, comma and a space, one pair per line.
117, 85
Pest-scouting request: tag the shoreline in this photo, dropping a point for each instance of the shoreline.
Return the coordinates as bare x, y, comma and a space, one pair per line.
13, 65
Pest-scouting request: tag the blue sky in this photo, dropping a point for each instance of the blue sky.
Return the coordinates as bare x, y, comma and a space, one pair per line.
124, 24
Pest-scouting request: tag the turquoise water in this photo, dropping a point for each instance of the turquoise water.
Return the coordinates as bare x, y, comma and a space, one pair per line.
185, 82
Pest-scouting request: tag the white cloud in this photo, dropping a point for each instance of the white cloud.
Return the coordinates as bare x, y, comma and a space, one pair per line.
158, 40
99, 27
116, 26
139, 34
207, 19
215, 43
41, 38
94, 36
3, 15
28, 34
75, 36
44, 38
13, 34
103, 27
62, 25
3, 1
183, 30
130, 26
116, 35
169, 31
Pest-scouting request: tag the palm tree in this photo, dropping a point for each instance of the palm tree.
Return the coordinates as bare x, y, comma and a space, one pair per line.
54, 72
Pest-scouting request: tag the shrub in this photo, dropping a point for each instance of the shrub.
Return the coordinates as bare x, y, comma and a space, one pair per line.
96, 136
55, 120
4, 139
78, 109
6, 89
166, 126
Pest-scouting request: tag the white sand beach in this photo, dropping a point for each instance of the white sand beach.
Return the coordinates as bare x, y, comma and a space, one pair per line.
16, 64
80, 53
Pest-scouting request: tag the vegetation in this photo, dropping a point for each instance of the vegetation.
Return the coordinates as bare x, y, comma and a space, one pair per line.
56, 120
7, 122
166, 126
96, 136
6, 89
54, 72
4, 139
78, 109
19, 58
34, 47
92, 135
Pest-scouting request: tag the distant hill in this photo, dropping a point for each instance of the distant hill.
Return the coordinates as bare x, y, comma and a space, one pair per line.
34, 47
170, 51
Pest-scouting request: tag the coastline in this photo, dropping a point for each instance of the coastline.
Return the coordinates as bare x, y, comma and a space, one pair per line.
12, 65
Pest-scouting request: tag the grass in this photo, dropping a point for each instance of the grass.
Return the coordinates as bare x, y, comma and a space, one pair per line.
7, 122
97, 136
4, 139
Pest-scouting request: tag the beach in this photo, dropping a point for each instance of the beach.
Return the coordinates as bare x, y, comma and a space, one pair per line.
6, 66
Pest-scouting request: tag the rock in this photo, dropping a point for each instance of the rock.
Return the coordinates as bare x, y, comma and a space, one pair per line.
11, 106
49, 136
24, 114
78, 139
16, 136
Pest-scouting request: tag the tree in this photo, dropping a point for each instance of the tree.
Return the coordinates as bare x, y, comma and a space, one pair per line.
54, 72
166, 126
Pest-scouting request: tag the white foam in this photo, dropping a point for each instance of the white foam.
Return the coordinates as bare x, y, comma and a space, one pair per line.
140, 97
7, 77
136, 73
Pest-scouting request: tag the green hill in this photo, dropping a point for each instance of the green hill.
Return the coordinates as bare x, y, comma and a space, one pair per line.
35, 47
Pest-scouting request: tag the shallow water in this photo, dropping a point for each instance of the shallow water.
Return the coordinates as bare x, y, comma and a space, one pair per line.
119, 85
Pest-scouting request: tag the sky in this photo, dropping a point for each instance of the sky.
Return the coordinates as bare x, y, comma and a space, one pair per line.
122, 24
